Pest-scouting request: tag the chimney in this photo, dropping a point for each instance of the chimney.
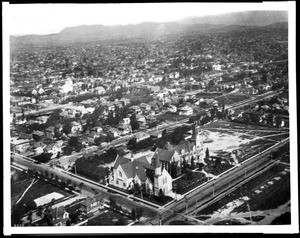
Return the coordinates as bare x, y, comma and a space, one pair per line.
131, 157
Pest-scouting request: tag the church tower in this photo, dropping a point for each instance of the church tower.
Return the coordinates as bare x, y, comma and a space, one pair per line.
157, 175
197, 140
196, 135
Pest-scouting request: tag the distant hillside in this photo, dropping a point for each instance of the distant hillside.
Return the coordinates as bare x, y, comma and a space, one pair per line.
249, 18
152, 31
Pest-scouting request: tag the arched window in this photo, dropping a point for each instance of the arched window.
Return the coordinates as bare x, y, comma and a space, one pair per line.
120, 174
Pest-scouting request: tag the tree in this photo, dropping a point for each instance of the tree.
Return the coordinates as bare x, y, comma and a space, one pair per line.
63, 184
133, 214
134, 123
139, 212
177, 135
132, 144
67, 128
210, 85
68, 150
207, 153
30, 205
192, 162
46, 174
56, 178
73, 141
121, 221
14, 118
200, 165
23, 115
29, 217
183, 169
112, 203
81, 186
173, 170
161, 195
69, 182
68, 223
164, 133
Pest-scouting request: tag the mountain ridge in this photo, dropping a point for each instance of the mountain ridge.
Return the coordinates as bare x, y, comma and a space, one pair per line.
146, 30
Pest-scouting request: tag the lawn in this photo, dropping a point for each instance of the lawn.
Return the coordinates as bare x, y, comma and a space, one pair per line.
188, 182
150, 198
40, 189
27, 203
109, 218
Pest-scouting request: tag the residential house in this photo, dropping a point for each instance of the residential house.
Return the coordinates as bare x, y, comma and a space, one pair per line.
38, 147
124, 129
21, 146
99, 90
141, 120
145, 107
58, 127
75, 126
186, 110
54, 149
114, 132
92, 136
92, 204
84, 140
50, 131
59, 216
126, 120
155, 134
135, 109
37, 135
141, 136
125, 101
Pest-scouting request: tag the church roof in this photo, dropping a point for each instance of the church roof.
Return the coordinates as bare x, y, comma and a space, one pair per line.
165, 155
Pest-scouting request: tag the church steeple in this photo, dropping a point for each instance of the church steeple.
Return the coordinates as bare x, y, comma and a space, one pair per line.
196, 135
157, 165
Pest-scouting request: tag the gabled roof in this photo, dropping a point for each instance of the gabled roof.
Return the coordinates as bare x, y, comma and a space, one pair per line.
50, 128
143, 161
164, 155
186, 145
58, 212
120, 160
135, 168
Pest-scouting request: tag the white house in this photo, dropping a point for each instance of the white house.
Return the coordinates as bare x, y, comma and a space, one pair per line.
186, 110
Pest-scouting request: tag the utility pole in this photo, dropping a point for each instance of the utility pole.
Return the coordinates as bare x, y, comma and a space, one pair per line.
186, 205
159, 215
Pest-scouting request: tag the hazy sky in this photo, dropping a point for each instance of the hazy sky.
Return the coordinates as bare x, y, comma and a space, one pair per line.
52, 18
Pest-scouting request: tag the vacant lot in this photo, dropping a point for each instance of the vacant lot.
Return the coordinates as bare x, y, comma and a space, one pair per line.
239, 141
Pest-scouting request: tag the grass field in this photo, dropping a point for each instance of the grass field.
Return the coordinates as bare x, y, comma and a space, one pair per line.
40, 189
